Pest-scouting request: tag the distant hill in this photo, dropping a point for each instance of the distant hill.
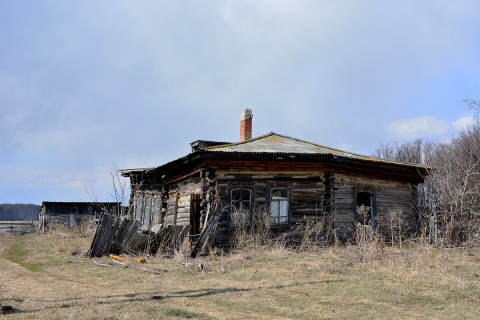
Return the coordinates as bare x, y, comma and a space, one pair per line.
19, 211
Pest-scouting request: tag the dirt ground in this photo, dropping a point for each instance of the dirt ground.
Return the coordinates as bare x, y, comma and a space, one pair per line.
42, 277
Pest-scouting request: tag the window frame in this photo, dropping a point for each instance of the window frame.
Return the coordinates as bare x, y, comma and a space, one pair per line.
147, 209
138, 207
157, 210
233, 202
372, 213
281, 201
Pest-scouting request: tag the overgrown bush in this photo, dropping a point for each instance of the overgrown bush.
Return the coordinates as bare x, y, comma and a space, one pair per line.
450, 194
251, 232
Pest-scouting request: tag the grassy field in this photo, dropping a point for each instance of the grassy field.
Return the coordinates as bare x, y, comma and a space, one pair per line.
41, 277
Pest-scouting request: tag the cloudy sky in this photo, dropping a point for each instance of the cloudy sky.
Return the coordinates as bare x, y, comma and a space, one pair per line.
86, 86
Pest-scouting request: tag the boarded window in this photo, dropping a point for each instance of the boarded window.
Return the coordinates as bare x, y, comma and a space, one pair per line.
241, 203
279, 206
139, 209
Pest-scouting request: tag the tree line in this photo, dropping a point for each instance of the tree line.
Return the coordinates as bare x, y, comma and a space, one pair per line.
19, 211
451, 191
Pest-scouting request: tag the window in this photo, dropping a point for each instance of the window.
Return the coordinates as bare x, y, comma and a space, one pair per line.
241, 202
365, 211
279, 206
139, 208
146, 215
156, 211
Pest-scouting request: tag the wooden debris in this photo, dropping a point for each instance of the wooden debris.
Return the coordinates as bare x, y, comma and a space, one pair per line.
117, 235
120, 263
152, 270
100, 264
205, 236
142, 268
119, 258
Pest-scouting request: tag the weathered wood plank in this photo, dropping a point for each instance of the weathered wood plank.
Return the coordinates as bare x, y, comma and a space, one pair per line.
108, 239
97, 248
122, 231
131, 232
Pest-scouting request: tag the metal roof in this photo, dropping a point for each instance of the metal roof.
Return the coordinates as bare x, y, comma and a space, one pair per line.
279, 144
276, 144
81, 202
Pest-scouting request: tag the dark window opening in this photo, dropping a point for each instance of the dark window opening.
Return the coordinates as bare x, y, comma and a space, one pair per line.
241, 203
195, 214
365, 211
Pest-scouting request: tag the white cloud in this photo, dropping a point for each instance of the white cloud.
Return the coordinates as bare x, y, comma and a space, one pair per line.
427, 127
463, 123
134, 84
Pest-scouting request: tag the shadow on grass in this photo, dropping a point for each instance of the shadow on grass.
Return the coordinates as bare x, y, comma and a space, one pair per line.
209, 292
148, 296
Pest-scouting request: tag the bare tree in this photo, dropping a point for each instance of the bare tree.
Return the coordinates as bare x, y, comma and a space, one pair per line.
451, 193
475, 106
457, 185
119, 193
410, 151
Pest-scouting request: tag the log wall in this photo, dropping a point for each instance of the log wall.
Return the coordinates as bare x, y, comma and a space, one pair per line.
306, 195
324, 196
389, 197
176, 203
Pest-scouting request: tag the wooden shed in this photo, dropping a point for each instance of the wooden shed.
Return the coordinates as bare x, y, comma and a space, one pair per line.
72, 214
291, 180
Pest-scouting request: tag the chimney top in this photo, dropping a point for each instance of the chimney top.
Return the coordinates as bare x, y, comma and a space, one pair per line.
246, 114
246, 125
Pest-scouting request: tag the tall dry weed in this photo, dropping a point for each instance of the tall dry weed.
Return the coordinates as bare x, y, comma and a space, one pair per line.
251, 232
64, 239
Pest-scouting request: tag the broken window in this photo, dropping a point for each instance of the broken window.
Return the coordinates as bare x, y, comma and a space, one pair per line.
156, 211
365, 211
241, 203
138, 209
279, 206
146, 215
195, 214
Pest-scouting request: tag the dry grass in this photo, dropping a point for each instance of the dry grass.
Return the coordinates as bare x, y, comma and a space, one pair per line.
41, 279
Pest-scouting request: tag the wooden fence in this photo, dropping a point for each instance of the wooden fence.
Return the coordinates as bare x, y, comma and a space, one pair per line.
120, 235
18, 226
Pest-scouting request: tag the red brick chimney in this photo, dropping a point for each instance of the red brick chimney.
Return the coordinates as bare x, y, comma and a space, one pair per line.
246, 125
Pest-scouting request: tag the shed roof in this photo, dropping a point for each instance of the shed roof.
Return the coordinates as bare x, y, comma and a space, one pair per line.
94, 203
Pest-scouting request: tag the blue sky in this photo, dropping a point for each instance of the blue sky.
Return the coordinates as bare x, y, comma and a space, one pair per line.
89, 85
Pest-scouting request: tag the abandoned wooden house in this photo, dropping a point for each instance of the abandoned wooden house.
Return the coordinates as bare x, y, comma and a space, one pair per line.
290, 181
71, 214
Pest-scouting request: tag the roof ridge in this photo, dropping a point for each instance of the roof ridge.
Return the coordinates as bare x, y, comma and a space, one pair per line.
242, 142
317, 145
